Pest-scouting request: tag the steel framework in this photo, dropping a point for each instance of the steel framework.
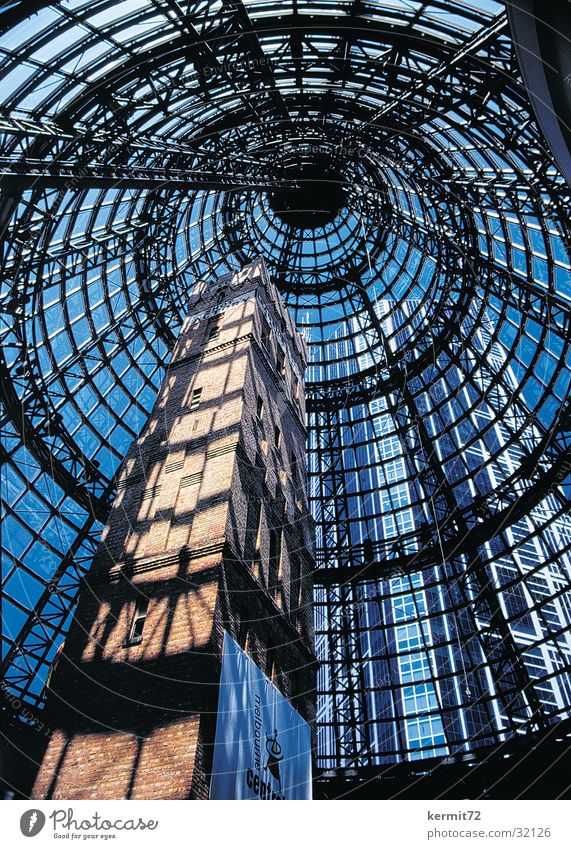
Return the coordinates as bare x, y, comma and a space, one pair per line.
142, 147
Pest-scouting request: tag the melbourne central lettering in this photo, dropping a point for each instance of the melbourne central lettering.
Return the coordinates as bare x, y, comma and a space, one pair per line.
262, 789
257, 733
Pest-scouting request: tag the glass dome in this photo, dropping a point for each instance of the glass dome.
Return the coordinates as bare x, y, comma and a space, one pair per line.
383, 159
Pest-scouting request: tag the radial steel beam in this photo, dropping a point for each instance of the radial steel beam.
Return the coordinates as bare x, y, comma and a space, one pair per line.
57, 175
472, 44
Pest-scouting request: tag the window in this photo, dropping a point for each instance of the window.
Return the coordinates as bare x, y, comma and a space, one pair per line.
253, 528
280, 360
213, 329
396, 496
266, 334
243, 631
260, 407
280, 589
273, 670
294, 386
195, 399
294, 469
297, 592
138, 623
270, 663
275, 556
258, 528
257, 565
277, 437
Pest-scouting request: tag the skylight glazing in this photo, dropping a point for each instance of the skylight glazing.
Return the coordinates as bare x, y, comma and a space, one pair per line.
144, 150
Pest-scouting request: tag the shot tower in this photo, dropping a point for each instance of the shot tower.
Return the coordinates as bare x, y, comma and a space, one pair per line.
210, 533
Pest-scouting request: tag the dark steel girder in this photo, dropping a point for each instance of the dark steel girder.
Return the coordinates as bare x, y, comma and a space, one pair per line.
474, 42
152, 60
232, 25
70, 177
97, 506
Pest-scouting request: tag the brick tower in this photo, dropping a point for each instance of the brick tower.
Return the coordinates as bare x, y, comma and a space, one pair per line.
210, 532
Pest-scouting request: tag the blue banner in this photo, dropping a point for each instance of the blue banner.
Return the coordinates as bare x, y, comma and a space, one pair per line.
262, 748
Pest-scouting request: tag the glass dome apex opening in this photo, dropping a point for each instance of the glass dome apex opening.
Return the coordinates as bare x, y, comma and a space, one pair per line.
318, 196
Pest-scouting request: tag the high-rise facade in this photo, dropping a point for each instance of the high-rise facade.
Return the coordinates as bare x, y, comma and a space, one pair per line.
210, 533
443, 653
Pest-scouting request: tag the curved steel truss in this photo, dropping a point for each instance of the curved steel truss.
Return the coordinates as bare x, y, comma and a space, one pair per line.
383, 159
